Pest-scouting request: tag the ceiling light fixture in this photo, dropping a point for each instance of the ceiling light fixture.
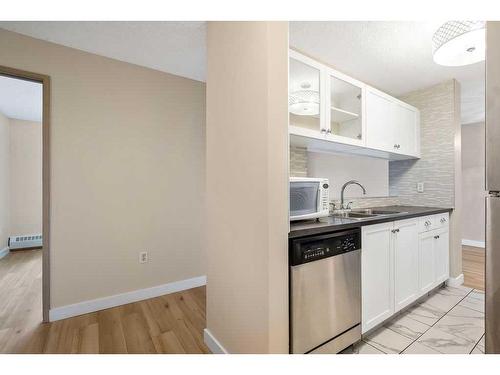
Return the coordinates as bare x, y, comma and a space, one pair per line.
458, 43
304, 102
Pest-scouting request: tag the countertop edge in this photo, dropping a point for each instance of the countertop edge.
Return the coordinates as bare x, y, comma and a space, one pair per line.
358, 224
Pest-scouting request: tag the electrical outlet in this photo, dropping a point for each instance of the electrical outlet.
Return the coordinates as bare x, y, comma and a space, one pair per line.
420, 187
143, 257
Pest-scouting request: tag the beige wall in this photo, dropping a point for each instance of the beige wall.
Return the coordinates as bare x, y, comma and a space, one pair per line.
247, 184
127, 171
473, 190
4, 181
25, 177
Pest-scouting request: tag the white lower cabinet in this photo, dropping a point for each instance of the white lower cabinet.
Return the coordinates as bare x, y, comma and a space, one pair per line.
405, 263
426, 262
399, 263
441, 255
377, 274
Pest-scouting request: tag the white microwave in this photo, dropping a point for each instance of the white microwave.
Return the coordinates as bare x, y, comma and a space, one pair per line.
309, 198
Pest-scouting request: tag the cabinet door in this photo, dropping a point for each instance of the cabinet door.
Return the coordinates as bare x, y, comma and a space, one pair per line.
345, 111
306, 95
406, 289
441, 256
379, 120
377, 277
426, 260
405, 128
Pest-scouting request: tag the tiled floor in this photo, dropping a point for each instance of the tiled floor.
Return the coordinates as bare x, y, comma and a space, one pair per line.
450, 321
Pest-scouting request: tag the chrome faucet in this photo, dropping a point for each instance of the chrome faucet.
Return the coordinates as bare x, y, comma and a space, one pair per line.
352, 182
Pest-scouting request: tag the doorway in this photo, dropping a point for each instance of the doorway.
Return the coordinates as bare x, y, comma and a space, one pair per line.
24, 197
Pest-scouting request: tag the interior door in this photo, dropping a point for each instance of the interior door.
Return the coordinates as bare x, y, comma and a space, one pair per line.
406, 265
377, 274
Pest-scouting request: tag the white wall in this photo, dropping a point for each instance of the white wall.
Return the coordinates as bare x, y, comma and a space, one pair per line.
4, 181
372, 173
473, 189
127, 171
25, 177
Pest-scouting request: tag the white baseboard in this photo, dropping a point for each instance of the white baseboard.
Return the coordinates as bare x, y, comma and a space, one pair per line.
474, 243
4, 252
455, 281
212, 343
85, 307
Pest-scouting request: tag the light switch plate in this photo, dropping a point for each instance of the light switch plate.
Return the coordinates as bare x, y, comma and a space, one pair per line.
420, 187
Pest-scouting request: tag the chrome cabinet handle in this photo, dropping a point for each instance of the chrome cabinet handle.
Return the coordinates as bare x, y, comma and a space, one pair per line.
329, 131
323, 131
395, 230
395, 146
436, 237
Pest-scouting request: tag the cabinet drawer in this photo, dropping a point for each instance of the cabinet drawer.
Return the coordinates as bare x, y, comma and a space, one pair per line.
432, 222
426, 223
441, 220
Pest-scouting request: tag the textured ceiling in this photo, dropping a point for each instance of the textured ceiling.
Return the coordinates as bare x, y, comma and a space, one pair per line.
173, 47
21, 100
395, 57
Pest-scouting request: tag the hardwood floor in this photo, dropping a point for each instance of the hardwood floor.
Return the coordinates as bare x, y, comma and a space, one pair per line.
172, 323
473, 266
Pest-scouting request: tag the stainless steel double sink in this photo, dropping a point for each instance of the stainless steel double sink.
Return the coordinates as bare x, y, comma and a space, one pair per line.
367, 213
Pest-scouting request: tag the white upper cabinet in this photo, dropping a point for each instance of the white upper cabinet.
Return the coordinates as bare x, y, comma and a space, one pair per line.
345, 109
406, 129
379, 111
306, 97
331, 111
392, 125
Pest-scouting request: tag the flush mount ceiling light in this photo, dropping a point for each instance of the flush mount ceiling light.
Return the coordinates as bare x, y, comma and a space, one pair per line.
304, 102
458, 43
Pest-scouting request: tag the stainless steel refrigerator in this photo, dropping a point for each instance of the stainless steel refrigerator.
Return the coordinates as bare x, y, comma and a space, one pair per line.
492, 187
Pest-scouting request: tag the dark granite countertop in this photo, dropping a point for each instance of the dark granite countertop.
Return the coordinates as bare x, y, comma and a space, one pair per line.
331, 223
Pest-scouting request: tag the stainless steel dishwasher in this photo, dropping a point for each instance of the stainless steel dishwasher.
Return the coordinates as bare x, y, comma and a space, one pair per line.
325, 292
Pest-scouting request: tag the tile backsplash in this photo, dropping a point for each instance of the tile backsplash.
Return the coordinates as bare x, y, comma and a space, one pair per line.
298, 161
436, 167
367, 202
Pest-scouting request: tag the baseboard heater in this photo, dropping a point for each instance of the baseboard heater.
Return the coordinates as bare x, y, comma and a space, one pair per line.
22, 242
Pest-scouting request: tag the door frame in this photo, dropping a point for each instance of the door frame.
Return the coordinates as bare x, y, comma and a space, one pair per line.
45, 81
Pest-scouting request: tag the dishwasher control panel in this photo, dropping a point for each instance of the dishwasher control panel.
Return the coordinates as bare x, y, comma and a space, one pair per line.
311, 248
